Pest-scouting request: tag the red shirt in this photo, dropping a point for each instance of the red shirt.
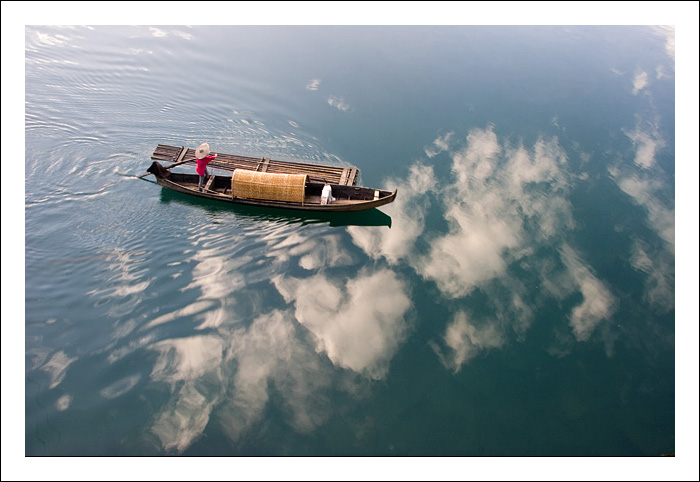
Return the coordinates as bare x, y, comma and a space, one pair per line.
202, 164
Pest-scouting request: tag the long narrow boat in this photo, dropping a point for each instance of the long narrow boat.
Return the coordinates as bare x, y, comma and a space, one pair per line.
290, 190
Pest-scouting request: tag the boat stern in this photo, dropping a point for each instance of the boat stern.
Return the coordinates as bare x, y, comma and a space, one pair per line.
158, 170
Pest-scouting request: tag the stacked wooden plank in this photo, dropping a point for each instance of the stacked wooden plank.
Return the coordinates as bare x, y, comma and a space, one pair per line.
315, 172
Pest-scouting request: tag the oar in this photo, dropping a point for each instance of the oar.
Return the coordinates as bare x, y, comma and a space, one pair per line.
169, 167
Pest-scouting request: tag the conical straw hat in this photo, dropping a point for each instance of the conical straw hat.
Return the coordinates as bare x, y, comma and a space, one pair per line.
202, 151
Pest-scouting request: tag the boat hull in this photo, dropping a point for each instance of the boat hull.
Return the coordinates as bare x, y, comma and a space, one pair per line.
347, 198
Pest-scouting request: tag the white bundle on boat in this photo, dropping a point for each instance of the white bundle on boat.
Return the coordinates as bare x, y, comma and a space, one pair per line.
326, 195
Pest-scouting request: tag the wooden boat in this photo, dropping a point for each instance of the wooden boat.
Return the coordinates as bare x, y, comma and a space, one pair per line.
301, 190
369, 217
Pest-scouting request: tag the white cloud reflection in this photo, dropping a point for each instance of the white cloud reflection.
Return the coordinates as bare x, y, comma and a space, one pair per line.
440, 144
271, 352
63, 403
504, 202
226, 379
338, 102
464, 341
669, 33
156, 32
124, 282
643, 191
640, 81
120, 387
461, 260
660, 270
56, 367
486, 207
312, 252
598, 302
646, 143
408, 212
359, 325
645, 183
192, 368
214, 277
47, 39
226, 374
313, 84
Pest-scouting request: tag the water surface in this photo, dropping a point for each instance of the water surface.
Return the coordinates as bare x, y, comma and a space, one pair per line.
517, 299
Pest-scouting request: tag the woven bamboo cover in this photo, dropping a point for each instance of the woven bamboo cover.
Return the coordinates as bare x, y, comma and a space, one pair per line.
268, 186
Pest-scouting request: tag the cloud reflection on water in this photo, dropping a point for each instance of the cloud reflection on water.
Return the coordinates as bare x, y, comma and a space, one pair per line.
504, 204
642, 188
647, 143
464, 341
360, 325
57, 366
192, 367
125, 281
640, 81
644, 181
660, 270
408, 211
225, 375
338, 102
272, 353
597, 303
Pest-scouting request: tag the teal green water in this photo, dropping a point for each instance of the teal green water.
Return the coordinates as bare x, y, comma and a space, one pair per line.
516, 300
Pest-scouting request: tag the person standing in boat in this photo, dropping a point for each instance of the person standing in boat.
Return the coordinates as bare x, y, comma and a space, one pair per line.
203, 158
